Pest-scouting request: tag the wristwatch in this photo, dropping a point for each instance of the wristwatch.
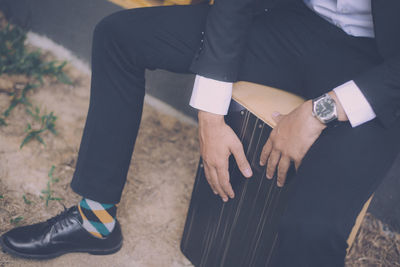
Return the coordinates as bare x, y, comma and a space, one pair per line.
324, 109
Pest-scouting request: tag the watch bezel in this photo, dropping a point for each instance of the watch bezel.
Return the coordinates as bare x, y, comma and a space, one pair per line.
332, 115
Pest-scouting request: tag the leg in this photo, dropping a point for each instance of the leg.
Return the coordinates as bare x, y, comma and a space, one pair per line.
339, 173
124, 45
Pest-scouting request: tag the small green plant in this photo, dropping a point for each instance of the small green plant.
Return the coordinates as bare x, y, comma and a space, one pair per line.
1, 196
26, 200
51, 176
48, 195
47, 123
35, 113
19, 99
16, 220
16, 59
48, 192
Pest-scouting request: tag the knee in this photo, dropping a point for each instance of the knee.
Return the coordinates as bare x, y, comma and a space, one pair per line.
123, 30
106, 28
125, 24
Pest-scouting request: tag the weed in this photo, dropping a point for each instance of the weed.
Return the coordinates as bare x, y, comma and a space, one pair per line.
19, 98
16, 59
2, 122
48, 195
48, 192
27, 201
16, 220
47, 123
51, 176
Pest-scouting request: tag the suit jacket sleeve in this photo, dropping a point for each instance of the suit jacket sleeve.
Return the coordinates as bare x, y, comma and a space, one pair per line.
223, 40
381, 84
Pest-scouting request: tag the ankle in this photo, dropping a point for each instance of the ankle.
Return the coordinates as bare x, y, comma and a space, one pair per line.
97, 218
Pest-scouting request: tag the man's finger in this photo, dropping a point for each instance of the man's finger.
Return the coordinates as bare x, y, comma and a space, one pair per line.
241, 160
223, 178
273, 160
208, 177
214, 177
265, 152
283, 167
212, 180
297, 164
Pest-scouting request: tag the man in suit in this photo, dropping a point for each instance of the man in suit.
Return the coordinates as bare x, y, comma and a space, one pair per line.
341, 55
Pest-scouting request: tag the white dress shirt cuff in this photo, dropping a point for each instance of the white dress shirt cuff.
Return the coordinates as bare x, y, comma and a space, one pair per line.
354, 103
211, 95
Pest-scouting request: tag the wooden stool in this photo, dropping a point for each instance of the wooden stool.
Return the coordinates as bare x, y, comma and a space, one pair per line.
243, 231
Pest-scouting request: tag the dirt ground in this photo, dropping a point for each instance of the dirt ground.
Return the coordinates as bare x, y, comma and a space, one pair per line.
155, 198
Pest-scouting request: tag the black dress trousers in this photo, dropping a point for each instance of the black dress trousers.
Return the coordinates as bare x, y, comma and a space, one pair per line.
288, 47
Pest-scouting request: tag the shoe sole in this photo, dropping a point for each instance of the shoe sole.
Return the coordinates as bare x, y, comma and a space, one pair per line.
13, 252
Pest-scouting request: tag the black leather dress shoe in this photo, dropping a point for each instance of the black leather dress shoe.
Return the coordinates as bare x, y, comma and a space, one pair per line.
59, 235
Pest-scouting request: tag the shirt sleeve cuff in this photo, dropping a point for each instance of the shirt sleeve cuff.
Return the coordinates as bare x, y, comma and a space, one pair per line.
354, 103
211, 95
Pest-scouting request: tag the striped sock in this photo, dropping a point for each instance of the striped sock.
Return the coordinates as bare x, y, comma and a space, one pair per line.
98, 219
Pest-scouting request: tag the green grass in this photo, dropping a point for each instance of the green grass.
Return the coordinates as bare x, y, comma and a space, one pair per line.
47, 123
16, 220
16, 59
51, 175
19, 99
47, 194
26, 200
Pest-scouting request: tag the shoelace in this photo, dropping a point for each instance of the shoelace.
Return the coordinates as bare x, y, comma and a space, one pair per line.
61, 220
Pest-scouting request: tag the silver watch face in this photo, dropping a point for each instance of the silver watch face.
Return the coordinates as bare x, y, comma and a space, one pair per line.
325, 109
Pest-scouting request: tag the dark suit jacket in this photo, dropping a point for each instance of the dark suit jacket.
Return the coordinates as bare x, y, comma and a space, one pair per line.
225, 34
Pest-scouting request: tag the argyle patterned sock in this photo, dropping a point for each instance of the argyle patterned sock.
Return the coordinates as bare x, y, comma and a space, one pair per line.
98, 219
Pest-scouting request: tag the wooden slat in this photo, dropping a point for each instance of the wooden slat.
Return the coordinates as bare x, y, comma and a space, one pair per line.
147, 3
356, 227
263, 100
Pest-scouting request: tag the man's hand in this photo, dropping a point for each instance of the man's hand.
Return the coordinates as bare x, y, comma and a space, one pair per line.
292, 137
290, 140
217, 143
